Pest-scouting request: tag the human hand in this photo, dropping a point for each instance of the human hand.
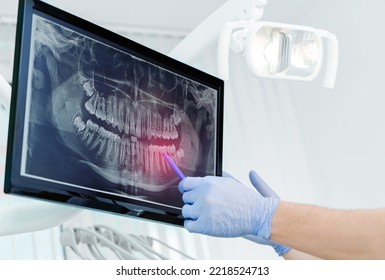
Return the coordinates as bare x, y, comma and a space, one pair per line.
265, 191
224, 207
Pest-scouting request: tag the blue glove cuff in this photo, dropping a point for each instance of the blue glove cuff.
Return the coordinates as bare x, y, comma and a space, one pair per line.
269, 208
281, 250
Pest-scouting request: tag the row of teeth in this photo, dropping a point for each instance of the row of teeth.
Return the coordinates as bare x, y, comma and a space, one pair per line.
125, 151
118, 113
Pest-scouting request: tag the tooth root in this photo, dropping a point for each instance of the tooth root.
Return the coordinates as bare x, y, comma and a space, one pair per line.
122, 151
147, 159
149, 125
132, 123
121, 115
116, 151
109, 109
138, 130
151, 159
127, 120
115, 108
133, 154
164, 133
159, 130
164, 164
127, 159
172, 131
91, 103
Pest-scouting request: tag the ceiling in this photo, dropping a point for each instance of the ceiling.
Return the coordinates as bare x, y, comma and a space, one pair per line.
178, 15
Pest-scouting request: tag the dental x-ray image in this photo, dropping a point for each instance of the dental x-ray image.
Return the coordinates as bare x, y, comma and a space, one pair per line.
99, 117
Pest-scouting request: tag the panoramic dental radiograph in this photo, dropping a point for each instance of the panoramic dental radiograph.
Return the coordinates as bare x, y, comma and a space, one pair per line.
99, 118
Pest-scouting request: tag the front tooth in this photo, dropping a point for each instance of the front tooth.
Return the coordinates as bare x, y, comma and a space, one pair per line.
91, 103
79, 124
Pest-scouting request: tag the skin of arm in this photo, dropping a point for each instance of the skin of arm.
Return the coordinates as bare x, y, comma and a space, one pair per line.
328, 233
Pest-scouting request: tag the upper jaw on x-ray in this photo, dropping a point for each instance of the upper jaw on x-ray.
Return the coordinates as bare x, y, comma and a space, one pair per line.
119, 113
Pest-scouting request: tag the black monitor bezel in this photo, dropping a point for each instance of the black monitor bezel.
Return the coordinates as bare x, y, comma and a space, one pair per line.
16, 184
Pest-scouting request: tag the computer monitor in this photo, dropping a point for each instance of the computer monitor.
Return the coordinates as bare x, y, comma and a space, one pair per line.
92, 113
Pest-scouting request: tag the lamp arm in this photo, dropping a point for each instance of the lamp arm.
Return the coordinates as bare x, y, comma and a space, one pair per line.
208, 31
332, 59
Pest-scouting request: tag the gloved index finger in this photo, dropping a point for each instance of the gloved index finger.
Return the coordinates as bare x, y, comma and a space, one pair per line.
189, 183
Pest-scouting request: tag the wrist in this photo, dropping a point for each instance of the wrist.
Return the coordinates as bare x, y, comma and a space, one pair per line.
265, 210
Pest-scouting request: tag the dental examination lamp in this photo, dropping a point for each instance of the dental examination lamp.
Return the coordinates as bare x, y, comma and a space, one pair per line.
272, 50
34, 216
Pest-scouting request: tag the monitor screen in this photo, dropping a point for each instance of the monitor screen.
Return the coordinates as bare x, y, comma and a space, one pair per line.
93, 113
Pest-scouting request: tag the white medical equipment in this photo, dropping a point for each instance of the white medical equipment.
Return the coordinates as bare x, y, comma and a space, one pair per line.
272, 50
102, 242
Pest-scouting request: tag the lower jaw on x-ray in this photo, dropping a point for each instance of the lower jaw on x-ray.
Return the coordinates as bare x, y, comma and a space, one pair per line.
98, 119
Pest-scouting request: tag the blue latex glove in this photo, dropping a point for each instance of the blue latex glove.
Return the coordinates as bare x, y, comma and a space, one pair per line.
265, 191
224, 207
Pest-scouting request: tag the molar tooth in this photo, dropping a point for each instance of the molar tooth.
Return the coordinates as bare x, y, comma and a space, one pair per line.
91, 103
115, 150
101, 109
174, 132
101, 140
180, 153
91, 130
79, 124
88, 86
122, 151
110, 146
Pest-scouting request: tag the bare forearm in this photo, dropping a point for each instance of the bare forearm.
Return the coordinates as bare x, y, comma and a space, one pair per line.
330, 234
